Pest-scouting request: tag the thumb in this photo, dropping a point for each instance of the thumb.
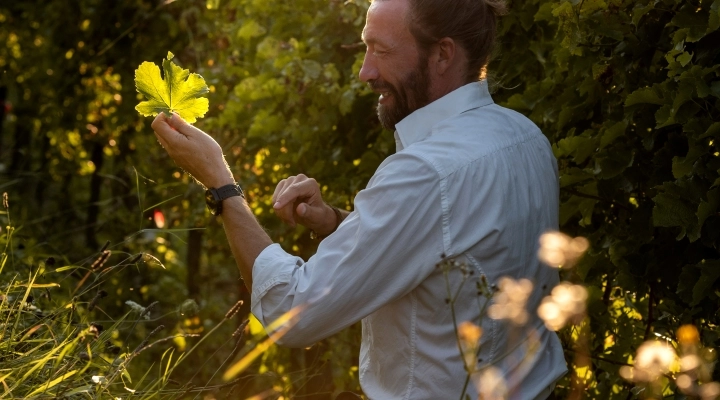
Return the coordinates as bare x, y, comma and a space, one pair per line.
175, 120
179, 124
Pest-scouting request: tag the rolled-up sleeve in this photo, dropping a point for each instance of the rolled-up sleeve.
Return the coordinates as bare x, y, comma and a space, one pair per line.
383, 250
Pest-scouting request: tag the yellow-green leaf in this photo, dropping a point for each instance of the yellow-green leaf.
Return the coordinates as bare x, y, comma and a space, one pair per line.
179, 91
52, 383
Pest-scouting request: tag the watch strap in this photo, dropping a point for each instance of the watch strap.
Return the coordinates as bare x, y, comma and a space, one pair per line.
220, 194
228, 191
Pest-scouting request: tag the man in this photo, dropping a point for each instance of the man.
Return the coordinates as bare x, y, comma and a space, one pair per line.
470, 181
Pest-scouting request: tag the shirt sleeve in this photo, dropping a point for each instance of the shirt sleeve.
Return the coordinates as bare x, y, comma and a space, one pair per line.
383, 250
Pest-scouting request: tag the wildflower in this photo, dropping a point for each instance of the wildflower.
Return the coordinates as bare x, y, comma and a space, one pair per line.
566, 301
96, 328
145, 342
137, 308
491, 385
560, 250
240, 331
709, 391
146, 312
653, 359
231, 313
696, 366
689, 362
688, 335
684, 382
98, 379
509, 302
469, 337
100, 261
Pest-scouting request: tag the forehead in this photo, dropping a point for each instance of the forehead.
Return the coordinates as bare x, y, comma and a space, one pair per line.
386, 22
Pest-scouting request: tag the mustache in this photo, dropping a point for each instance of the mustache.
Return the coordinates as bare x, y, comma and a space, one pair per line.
380, 86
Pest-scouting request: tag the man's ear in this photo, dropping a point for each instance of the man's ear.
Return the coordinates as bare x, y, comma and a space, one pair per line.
446, 55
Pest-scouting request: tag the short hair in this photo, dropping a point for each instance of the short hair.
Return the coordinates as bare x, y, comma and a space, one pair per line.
471, 23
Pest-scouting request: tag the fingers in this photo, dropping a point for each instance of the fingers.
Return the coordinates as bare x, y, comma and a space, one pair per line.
161, 140
161, 127
296, 188
173, 127
279, 189
294, 196
287, 214
177, 122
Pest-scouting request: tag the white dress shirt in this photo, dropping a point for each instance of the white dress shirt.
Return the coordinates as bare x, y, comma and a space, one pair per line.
470, 180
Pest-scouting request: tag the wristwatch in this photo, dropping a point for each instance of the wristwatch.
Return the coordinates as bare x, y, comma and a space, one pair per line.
214, 197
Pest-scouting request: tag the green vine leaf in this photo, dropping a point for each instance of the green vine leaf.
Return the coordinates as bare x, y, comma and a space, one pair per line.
179, 92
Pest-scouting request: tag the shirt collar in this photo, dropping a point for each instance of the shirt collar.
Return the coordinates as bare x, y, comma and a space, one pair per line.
418, 125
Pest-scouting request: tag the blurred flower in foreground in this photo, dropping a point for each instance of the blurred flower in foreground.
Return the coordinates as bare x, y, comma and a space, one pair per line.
653, 360
509, 302
469, 336
560, 250
491, 385
688, 335
566, 302
696, 366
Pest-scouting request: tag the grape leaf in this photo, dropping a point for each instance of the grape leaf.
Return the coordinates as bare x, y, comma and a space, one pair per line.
179, 92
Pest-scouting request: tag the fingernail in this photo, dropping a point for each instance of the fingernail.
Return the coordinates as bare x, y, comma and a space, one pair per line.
276, 205
302, 209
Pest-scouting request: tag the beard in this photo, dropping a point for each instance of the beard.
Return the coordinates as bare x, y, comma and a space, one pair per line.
410, 95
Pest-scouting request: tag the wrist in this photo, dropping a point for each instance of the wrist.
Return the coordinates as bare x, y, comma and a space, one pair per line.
333, 220
214, 197
220, 181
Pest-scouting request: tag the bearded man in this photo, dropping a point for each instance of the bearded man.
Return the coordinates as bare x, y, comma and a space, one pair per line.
471, 182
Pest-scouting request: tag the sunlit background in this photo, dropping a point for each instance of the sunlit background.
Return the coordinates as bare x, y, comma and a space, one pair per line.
627, 92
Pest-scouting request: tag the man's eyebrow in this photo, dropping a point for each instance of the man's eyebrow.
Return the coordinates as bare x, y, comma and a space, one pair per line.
371, 40
365, 39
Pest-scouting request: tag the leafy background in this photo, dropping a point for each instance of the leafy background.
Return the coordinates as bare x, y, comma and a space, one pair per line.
627, 92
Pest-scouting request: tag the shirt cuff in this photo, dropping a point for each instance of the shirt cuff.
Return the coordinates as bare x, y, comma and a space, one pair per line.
272, 267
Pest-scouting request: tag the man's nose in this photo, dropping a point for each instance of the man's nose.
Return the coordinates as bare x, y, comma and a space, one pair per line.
368, 71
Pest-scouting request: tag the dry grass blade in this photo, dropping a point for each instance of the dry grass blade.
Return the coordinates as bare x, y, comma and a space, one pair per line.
280, 327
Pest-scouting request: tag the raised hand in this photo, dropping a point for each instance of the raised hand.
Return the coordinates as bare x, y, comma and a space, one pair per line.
297, 199
193, 150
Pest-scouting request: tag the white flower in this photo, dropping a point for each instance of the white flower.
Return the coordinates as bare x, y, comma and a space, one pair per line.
509, 302
560, 250
491, 385
653, 360
98, 379
138, 308
566, 301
